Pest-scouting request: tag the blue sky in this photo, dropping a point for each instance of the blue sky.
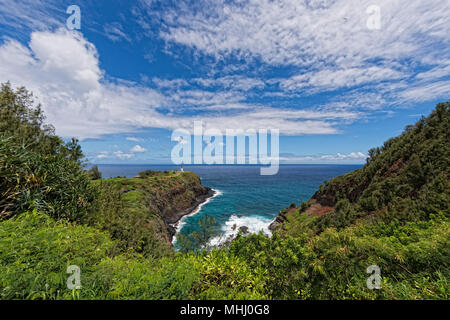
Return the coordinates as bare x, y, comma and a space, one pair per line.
137, 71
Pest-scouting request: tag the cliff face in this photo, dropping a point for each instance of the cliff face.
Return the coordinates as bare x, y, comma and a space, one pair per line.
176, 197
139, 212
406, 179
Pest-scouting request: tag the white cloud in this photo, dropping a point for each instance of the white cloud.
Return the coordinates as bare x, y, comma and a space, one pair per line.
235, 82
340, 156
132, 139
114, 32
325, 43
352, 157
427, 92
102, 155
138, 149
119, 154
62, 69
122, 155
442, 70
33, 14
304, 33
327, 79
165, 83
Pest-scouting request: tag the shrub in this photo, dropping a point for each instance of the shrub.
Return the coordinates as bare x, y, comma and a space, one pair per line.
94, 173
35, 252
49, 183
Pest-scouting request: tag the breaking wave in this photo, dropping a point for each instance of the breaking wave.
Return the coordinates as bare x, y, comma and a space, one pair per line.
231, 228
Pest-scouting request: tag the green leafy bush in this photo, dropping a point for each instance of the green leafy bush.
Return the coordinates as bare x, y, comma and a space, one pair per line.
35, 252
49, 183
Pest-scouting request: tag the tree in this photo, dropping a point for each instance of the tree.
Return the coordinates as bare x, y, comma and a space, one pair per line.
199, 239
37, 169
94, 173
72, 150
23, 120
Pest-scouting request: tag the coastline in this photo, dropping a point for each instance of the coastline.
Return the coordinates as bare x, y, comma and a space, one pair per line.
175, 227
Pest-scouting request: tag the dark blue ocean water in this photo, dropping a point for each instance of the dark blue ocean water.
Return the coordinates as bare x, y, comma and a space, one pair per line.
244, 197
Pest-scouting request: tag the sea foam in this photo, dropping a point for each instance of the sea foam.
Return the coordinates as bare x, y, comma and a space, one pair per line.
230, 230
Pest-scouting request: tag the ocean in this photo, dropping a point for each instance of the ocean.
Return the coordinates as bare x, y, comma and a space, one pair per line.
243, 196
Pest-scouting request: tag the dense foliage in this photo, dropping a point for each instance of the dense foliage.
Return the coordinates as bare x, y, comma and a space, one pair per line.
394, 213
35, 252
413, 258
94, 173
407, 179
37, 169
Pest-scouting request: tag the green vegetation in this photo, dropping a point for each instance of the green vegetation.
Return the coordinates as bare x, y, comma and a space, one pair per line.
198, 240
413, 259
125, 216
405, 180
35, 251
94, 173
23, 122
37, 169
393, 213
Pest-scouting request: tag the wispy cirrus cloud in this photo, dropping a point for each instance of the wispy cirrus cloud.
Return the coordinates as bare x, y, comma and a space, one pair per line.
306, 33
425, 92
132, 139
325, 44
31, 14
327, 79
235, 82
114, 32
62, 69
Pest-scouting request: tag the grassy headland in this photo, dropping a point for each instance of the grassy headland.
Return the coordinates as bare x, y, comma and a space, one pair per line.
140, 212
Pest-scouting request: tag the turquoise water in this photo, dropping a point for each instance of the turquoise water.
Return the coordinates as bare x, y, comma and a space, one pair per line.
244, 197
